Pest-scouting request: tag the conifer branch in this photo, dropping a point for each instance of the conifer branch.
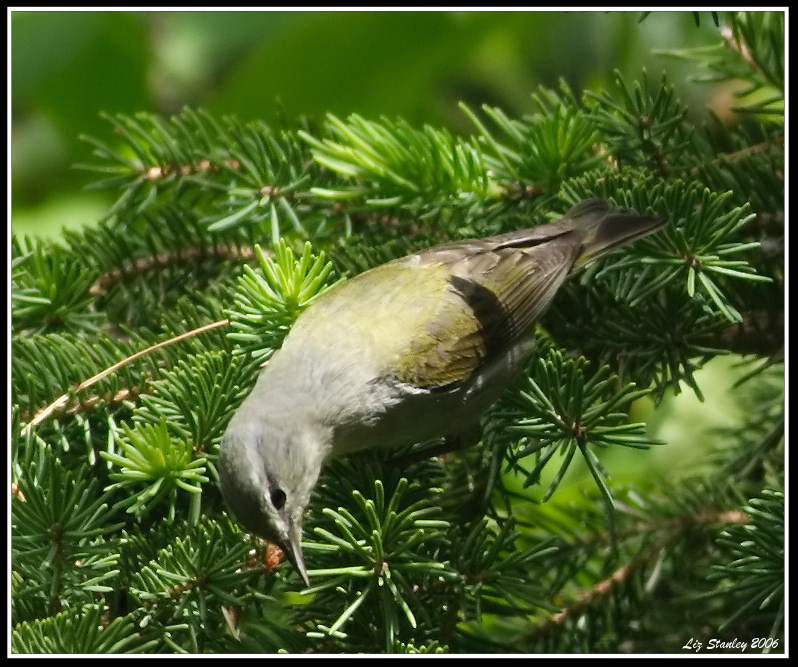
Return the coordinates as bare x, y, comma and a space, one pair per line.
163, 260
61, 401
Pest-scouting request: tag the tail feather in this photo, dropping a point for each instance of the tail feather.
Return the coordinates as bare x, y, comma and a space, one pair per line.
609, 228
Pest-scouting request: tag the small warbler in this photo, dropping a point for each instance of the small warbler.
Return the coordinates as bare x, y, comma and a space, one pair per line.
411, 350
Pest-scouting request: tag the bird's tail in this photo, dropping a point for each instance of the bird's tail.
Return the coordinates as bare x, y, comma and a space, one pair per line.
605, 228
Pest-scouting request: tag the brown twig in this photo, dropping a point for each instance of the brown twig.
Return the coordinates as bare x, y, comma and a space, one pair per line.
589, 595
162, 260
761, 147
61, 401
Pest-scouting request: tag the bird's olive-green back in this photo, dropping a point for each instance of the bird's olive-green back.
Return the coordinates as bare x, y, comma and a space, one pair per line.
431, 319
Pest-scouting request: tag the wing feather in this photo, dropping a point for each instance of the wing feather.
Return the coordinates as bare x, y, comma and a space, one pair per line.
495, 296
482, 297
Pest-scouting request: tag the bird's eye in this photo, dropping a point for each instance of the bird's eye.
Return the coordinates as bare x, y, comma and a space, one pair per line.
278, 499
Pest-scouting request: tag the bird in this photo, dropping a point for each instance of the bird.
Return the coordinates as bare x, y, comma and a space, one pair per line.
411, 350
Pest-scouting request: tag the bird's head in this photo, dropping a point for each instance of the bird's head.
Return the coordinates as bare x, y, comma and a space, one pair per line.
267, 471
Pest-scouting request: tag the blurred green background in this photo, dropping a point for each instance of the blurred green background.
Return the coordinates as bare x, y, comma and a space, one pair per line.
67, 67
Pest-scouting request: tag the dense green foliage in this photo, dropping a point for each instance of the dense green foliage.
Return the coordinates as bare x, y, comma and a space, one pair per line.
119, 539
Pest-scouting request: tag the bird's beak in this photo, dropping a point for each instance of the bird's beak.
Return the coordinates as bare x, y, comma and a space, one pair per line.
293, 551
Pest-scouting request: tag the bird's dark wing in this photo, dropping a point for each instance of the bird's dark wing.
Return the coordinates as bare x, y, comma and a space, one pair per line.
433, 318
498, 287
